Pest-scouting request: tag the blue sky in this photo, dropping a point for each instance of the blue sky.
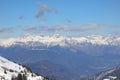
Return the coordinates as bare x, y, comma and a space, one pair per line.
65, 17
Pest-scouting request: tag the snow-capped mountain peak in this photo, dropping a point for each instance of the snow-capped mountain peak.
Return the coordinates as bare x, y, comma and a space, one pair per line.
60, 40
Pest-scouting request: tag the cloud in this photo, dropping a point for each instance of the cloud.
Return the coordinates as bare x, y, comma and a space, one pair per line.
30, 28
21, 17
60, 27
42, 9
42, 29
70, 28
6, 30
79, 27
34, 29
69, 21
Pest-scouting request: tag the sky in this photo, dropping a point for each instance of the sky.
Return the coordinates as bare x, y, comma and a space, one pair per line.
64, 17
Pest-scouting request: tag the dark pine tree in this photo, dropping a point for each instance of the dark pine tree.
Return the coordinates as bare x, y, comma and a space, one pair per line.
19, 76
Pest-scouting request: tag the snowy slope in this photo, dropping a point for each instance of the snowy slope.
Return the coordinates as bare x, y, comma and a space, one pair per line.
33, 40
10, 69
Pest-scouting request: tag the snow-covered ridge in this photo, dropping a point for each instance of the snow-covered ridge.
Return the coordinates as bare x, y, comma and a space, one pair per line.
9, 70
61, 40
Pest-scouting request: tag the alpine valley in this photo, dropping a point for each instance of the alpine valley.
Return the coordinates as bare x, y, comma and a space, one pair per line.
63, 57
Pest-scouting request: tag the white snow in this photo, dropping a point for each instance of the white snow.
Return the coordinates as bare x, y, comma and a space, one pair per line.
9, 69
61, 40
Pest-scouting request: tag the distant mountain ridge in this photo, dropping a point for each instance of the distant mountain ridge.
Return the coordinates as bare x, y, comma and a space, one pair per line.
64, 41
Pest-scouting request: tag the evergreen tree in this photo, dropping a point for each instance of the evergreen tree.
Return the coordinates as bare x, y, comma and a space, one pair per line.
5, 72
19, 76
24, 77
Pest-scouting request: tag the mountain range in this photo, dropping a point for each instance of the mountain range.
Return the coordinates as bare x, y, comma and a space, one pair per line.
63, 41
60, 57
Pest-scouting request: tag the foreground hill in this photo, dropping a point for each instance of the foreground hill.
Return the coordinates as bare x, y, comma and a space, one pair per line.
12, 71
